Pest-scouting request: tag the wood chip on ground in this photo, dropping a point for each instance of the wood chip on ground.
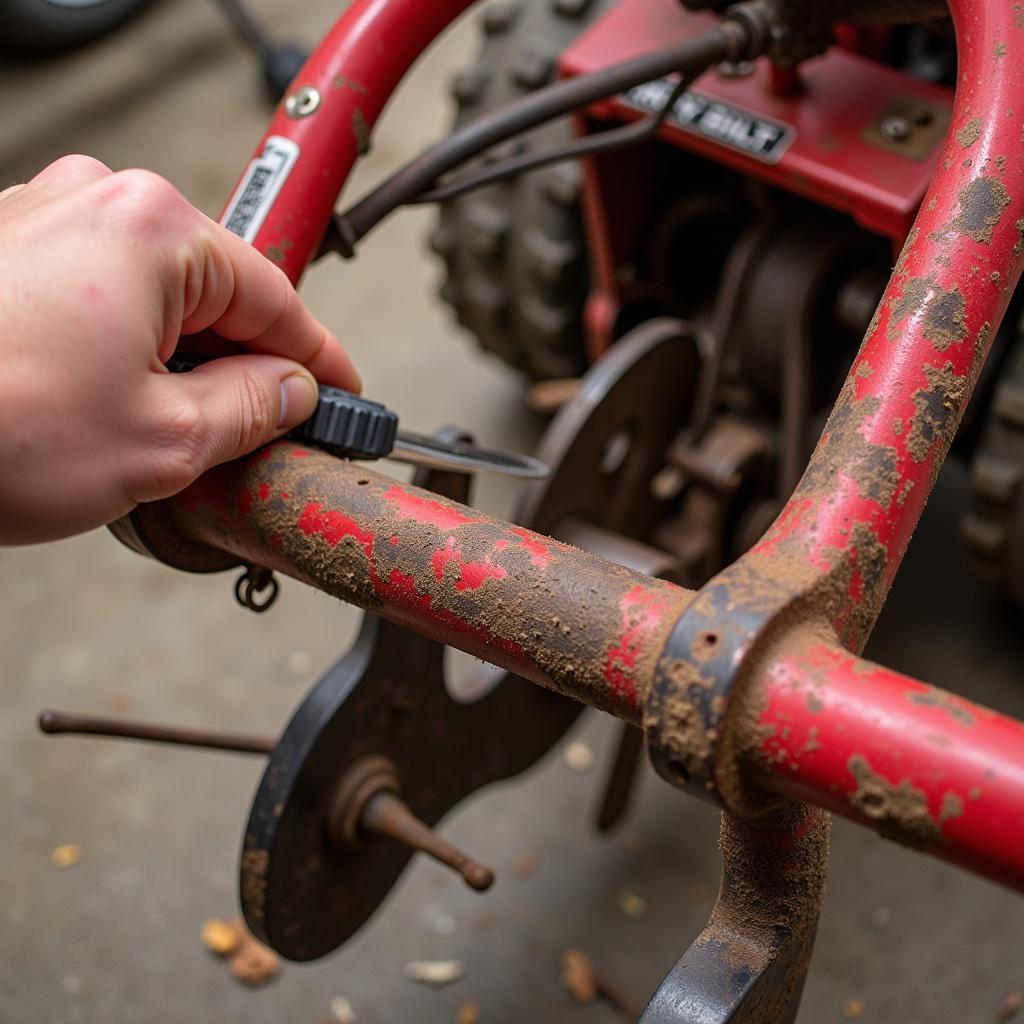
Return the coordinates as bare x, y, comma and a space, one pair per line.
1012, 1003
578, 976
468, 1012
221, 937
853, 1009
65, 855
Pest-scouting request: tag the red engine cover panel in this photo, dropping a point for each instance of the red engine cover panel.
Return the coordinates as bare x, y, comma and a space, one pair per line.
814, 144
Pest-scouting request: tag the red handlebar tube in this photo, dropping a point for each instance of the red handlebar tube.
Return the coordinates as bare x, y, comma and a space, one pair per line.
793, 711
353, 71
917, 764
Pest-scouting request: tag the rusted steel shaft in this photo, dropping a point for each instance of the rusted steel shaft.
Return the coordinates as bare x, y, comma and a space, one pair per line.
544, 610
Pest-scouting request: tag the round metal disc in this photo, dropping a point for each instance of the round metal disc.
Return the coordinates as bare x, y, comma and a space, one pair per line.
607, 444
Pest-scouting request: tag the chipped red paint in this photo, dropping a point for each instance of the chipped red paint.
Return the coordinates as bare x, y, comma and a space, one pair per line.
334, 527
426, 511
544, 610
471, 575
875, 464
643, 616
264, 491
540, 551
954, 771
880, 748
355, 69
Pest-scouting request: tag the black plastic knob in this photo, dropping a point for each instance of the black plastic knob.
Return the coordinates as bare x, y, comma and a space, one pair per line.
345, 424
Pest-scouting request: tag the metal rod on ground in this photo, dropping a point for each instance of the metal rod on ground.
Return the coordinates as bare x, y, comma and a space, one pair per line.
68, 723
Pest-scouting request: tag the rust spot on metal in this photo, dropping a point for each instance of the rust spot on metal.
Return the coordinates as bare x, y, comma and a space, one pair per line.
937, 408
276, 253
901, 263
1019, 246
871, 466
1000, 50
952, 807
936, 698
970, 133
361, 132
942, 312
900, 811
982, 203
341, 82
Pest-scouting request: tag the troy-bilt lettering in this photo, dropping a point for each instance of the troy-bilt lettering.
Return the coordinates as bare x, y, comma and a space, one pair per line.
259, 187
712, 119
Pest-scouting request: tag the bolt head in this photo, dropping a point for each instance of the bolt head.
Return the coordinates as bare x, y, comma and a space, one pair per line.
302, 102
895, 129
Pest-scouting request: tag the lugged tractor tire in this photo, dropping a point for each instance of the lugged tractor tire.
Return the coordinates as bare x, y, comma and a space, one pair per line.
994, 527
516, 269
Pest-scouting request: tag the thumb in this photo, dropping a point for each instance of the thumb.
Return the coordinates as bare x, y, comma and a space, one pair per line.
245, 401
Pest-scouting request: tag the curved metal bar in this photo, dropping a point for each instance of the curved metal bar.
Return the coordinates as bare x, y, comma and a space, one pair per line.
349, 79
824, 568
748, 964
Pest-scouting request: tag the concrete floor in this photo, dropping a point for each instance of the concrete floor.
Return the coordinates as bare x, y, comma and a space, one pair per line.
86, 625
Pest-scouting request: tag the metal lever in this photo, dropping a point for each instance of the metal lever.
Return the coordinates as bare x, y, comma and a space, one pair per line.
57, 722
382, 814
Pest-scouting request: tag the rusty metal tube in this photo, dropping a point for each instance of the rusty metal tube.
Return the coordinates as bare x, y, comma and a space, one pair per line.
549, 612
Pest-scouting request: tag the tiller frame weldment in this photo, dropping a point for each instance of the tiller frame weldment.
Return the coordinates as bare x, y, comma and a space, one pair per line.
751, 692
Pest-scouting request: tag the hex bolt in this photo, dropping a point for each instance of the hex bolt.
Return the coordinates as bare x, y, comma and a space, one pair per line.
895, 128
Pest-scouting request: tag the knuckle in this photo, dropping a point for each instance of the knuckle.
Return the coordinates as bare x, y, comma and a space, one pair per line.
179, 449
80, 165
256, 411
144, 201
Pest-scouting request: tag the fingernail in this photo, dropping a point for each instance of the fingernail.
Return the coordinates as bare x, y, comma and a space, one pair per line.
298, 399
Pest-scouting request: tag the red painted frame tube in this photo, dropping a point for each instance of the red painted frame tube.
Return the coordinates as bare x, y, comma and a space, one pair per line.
546, 611
355, 69
887, 751
843, 533
910, 761
919, 765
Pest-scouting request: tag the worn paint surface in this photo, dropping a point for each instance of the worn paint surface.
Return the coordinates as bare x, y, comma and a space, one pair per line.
540, 608
355, 69
924, 767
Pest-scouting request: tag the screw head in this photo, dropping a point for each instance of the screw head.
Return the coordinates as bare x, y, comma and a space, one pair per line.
302, 102
895, 128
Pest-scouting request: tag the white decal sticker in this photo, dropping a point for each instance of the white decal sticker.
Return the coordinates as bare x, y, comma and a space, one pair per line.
750, 133
259, 187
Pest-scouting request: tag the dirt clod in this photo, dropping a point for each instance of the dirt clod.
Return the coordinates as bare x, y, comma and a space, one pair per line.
578, 976
468, 1012
253, 963
66, 855
631, 903
525, 866
221, 937
1012, 1003
343, 1012
899, 809
578, 756
853, 1009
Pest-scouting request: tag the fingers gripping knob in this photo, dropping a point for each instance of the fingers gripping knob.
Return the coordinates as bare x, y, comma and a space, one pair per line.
348, 425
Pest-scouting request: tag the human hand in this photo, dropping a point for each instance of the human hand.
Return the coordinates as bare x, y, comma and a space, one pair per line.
101, 273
